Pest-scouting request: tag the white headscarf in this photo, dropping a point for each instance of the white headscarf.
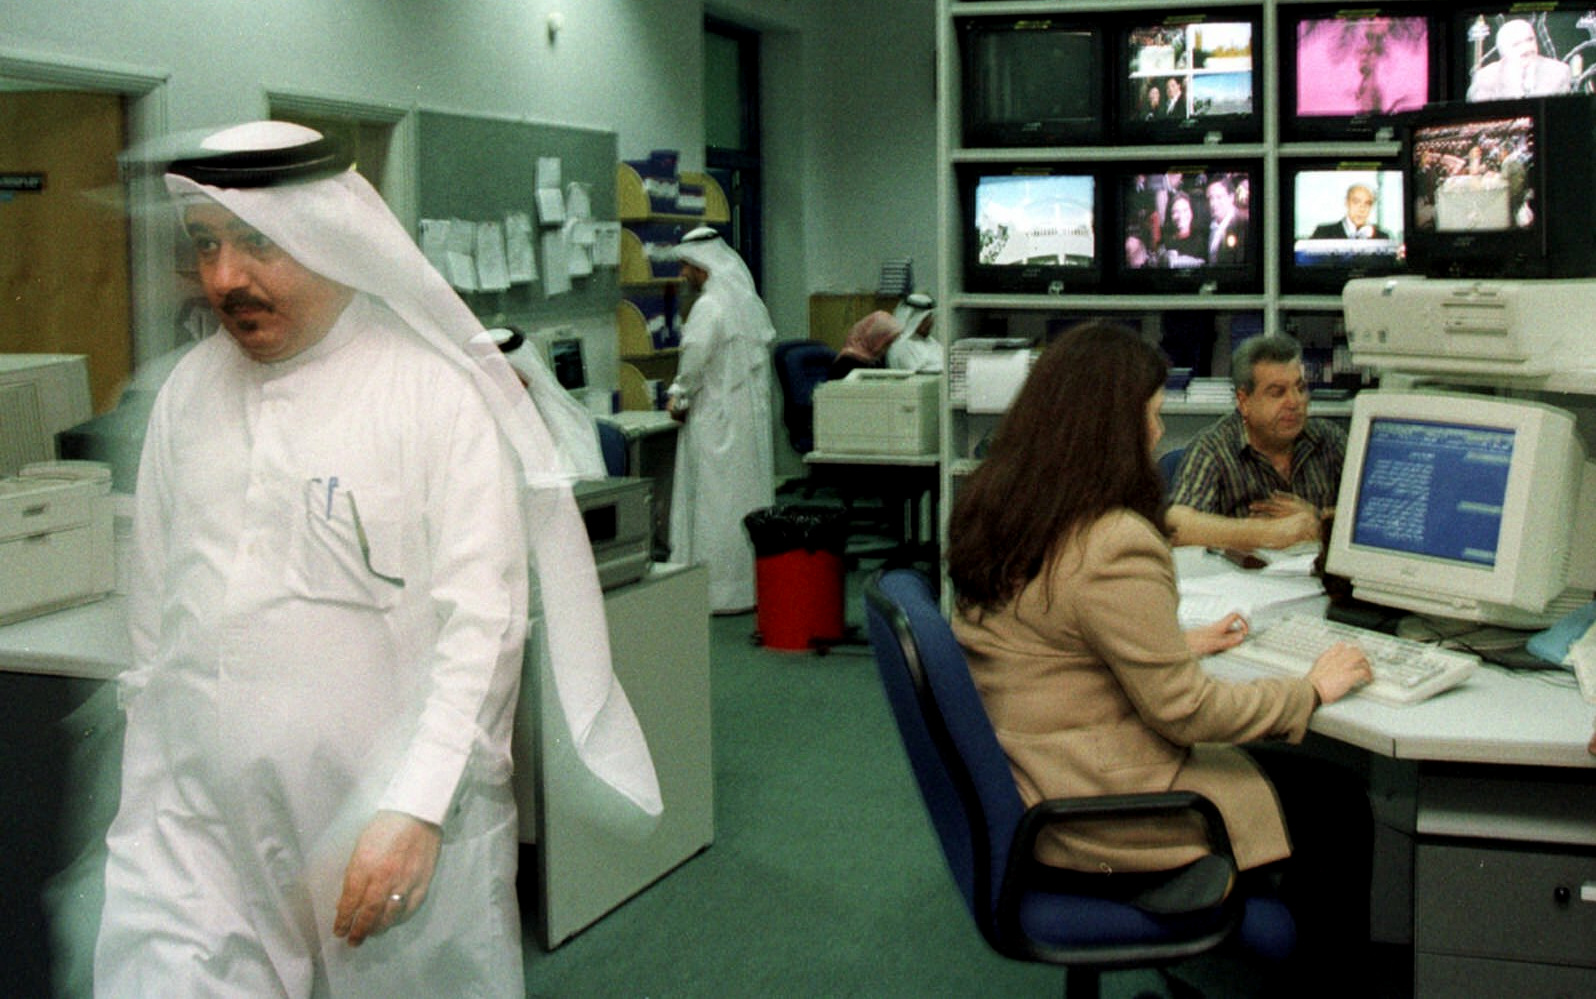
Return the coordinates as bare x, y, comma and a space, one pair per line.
729, 280
339, 227
912, 312
568, 421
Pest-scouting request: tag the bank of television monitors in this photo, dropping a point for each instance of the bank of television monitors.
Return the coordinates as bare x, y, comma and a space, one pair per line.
1342, 220
1350, 74
1190, 78
1031, 229
1524, 50
1184, 227
1501, 189
1032, 81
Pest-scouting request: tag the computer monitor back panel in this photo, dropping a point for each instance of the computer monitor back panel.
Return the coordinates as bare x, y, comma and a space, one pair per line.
40, 396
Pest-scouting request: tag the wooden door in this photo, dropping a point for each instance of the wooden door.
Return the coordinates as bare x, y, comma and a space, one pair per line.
64, 277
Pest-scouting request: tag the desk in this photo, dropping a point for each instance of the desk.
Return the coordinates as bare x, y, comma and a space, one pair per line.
1492, 798
908, 481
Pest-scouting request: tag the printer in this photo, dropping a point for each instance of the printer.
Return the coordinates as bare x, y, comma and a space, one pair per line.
57, 544
1500, 329
619, 514
878, 411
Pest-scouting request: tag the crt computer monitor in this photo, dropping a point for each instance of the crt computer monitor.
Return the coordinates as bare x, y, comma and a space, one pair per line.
1463, 506
567, 362
1030, 229
1193, 77
1343, 220
1351, 73
41, 396
1031, 81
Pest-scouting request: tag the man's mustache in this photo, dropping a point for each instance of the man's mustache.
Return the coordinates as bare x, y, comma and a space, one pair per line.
234, 301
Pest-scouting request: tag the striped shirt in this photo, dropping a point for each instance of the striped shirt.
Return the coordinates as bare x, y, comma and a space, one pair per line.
1224, 474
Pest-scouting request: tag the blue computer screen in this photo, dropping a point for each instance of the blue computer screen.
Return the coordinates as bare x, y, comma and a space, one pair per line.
1433, 489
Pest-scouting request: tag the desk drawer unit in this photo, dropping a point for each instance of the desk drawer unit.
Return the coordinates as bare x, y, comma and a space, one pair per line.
1504, 920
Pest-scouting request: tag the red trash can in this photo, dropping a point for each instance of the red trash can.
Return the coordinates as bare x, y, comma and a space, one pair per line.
798, 575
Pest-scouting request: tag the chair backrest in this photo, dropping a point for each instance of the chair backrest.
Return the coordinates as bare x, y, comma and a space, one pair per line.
962, 772
1169, 465
612, 442
800, 366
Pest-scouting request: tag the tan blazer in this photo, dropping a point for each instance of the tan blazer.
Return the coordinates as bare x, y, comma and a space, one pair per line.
1092, 690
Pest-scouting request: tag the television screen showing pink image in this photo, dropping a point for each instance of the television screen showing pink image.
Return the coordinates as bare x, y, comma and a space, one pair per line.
1347, 67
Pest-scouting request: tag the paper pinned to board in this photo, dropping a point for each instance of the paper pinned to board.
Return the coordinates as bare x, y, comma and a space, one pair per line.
493, 271
606, 244
520, 258
556, 267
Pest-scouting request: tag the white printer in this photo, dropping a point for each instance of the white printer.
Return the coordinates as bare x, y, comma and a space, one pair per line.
878, 411
57, 544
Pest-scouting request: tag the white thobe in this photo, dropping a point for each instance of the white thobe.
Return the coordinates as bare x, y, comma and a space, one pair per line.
330, 606
915, 353
725, 465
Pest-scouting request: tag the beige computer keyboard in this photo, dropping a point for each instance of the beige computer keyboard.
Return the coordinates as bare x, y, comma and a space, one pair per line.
1405, 671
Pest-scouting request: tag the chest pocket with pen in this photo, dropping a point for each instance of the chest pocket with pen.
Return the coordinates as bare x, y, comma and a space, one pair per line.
348, 545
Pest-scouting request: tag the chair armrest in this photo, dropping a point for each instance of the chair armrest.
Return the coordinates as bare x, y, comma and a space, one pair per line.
1023, 867
1201, 886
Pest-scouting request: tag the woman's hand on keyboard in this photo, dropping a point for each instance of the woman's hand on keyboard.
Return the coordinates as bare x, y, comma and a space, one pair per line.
1338, 671
1225, 633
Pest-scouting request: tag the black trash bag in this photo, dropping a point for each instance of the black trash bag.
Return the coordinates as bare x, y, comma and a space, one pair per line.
778, 529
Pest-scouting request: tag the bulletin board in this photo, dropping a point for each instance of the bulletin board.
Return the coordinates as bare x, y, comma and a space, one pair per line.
477, 168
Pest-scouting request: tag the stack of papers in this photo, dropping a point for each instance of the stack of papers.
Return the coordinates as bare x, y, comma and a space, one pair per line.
1258, 597
1210, 390
1210, 589
897, 278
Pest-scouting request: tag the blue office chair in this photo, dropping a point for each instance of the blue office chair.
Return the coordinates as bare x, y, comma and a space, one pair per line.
800, 366
612, 443
1024, 909
1169, 465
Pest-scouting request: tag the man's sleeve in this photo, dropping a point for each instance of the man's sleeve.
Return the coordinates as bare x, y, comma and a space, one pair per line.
698, 343
478, 595
1199, 481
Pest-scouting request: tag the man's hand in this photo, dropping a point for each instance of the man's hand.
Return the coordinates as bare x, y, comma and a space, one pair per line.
1281, 504
1283, 532
387, 876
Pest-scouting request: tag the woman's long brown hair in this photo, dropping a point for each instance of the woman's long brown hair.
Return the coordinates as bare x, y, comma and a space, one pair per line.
1072, 447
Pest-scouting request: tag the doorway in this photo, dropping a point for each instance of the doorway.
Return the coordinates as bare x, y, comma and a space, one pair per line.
65, 278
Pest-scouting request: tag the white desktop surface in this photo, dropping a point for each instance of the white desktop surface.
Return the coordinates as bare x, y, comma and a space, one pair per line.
1496, 716
850, 458
89, 641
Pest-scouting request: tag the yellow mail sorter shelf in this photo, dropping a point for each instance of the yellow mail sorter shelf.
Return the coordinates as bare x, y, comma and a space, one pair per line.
635, 268
632, 204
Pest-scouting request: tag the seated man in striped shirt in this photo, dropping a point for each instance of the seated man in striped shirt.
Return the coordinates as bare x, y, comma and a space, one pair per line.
1266, 475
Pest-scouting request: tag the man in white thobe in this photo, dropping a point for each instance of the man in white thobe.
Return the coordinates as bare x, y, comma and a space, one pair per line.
335, 507
725, 465
916, 350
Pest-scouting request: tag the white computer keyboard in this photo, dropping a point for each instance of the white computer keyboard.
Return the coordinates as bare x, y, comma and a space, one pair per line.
1405, 671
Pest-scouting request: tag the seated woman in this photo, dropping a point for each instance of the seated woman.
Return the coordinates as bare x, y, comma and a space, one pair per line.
1066, 608
867, 343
